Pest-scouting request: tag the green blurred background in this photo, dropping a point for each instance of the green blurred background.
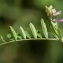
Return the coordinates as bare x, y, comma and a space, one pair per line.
20, 13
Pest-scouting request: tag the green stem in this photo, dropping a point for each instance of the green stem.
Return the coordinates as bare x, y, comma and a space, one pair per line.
29, 39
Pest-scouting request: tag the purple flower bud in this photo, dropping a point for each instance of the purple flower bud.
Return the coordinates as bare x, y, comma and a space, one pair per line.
57, 13
58, 20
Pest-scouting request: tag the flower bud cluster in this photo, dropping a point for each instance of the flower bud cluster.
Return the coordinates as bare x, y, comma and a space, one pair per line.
51, 12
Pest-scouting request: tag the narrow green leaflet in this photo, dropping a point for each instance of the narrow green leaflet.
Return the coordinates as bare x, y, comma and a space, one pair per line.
58, 31
13, 32
28, 35
23, 32
44, 28
39, 34
32, 27
53, 27
2, 38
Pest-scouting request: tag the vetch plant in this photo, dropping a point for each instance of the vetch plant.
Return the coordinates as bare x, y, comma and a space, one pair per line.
37, 35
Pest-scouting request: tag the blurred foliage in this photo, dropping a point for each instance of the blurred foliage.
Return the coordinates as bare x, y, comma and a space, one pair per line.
22, 12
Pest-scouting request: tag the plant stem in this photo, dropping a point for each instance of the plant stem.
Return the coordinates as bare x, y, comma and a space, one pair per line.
29, 39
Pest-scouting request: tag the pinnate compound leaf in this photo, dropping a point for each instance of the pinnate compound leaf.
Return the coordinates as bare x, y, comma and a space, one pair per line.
13, 32
44, 28
23, 32
32, 27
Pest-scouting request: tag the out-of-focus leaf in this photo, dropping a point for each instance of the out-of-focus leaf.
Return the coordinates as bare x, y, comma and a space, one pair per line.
32, 27
23, 32
51, 28
28, 35
39, 34
10, 36
13, 32
44, 28
19, 36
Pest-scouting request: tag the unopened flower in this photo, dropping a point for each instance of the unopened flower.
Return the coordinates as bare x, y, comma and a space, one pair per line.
57, 13
51, 11
48, 10
58, 20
